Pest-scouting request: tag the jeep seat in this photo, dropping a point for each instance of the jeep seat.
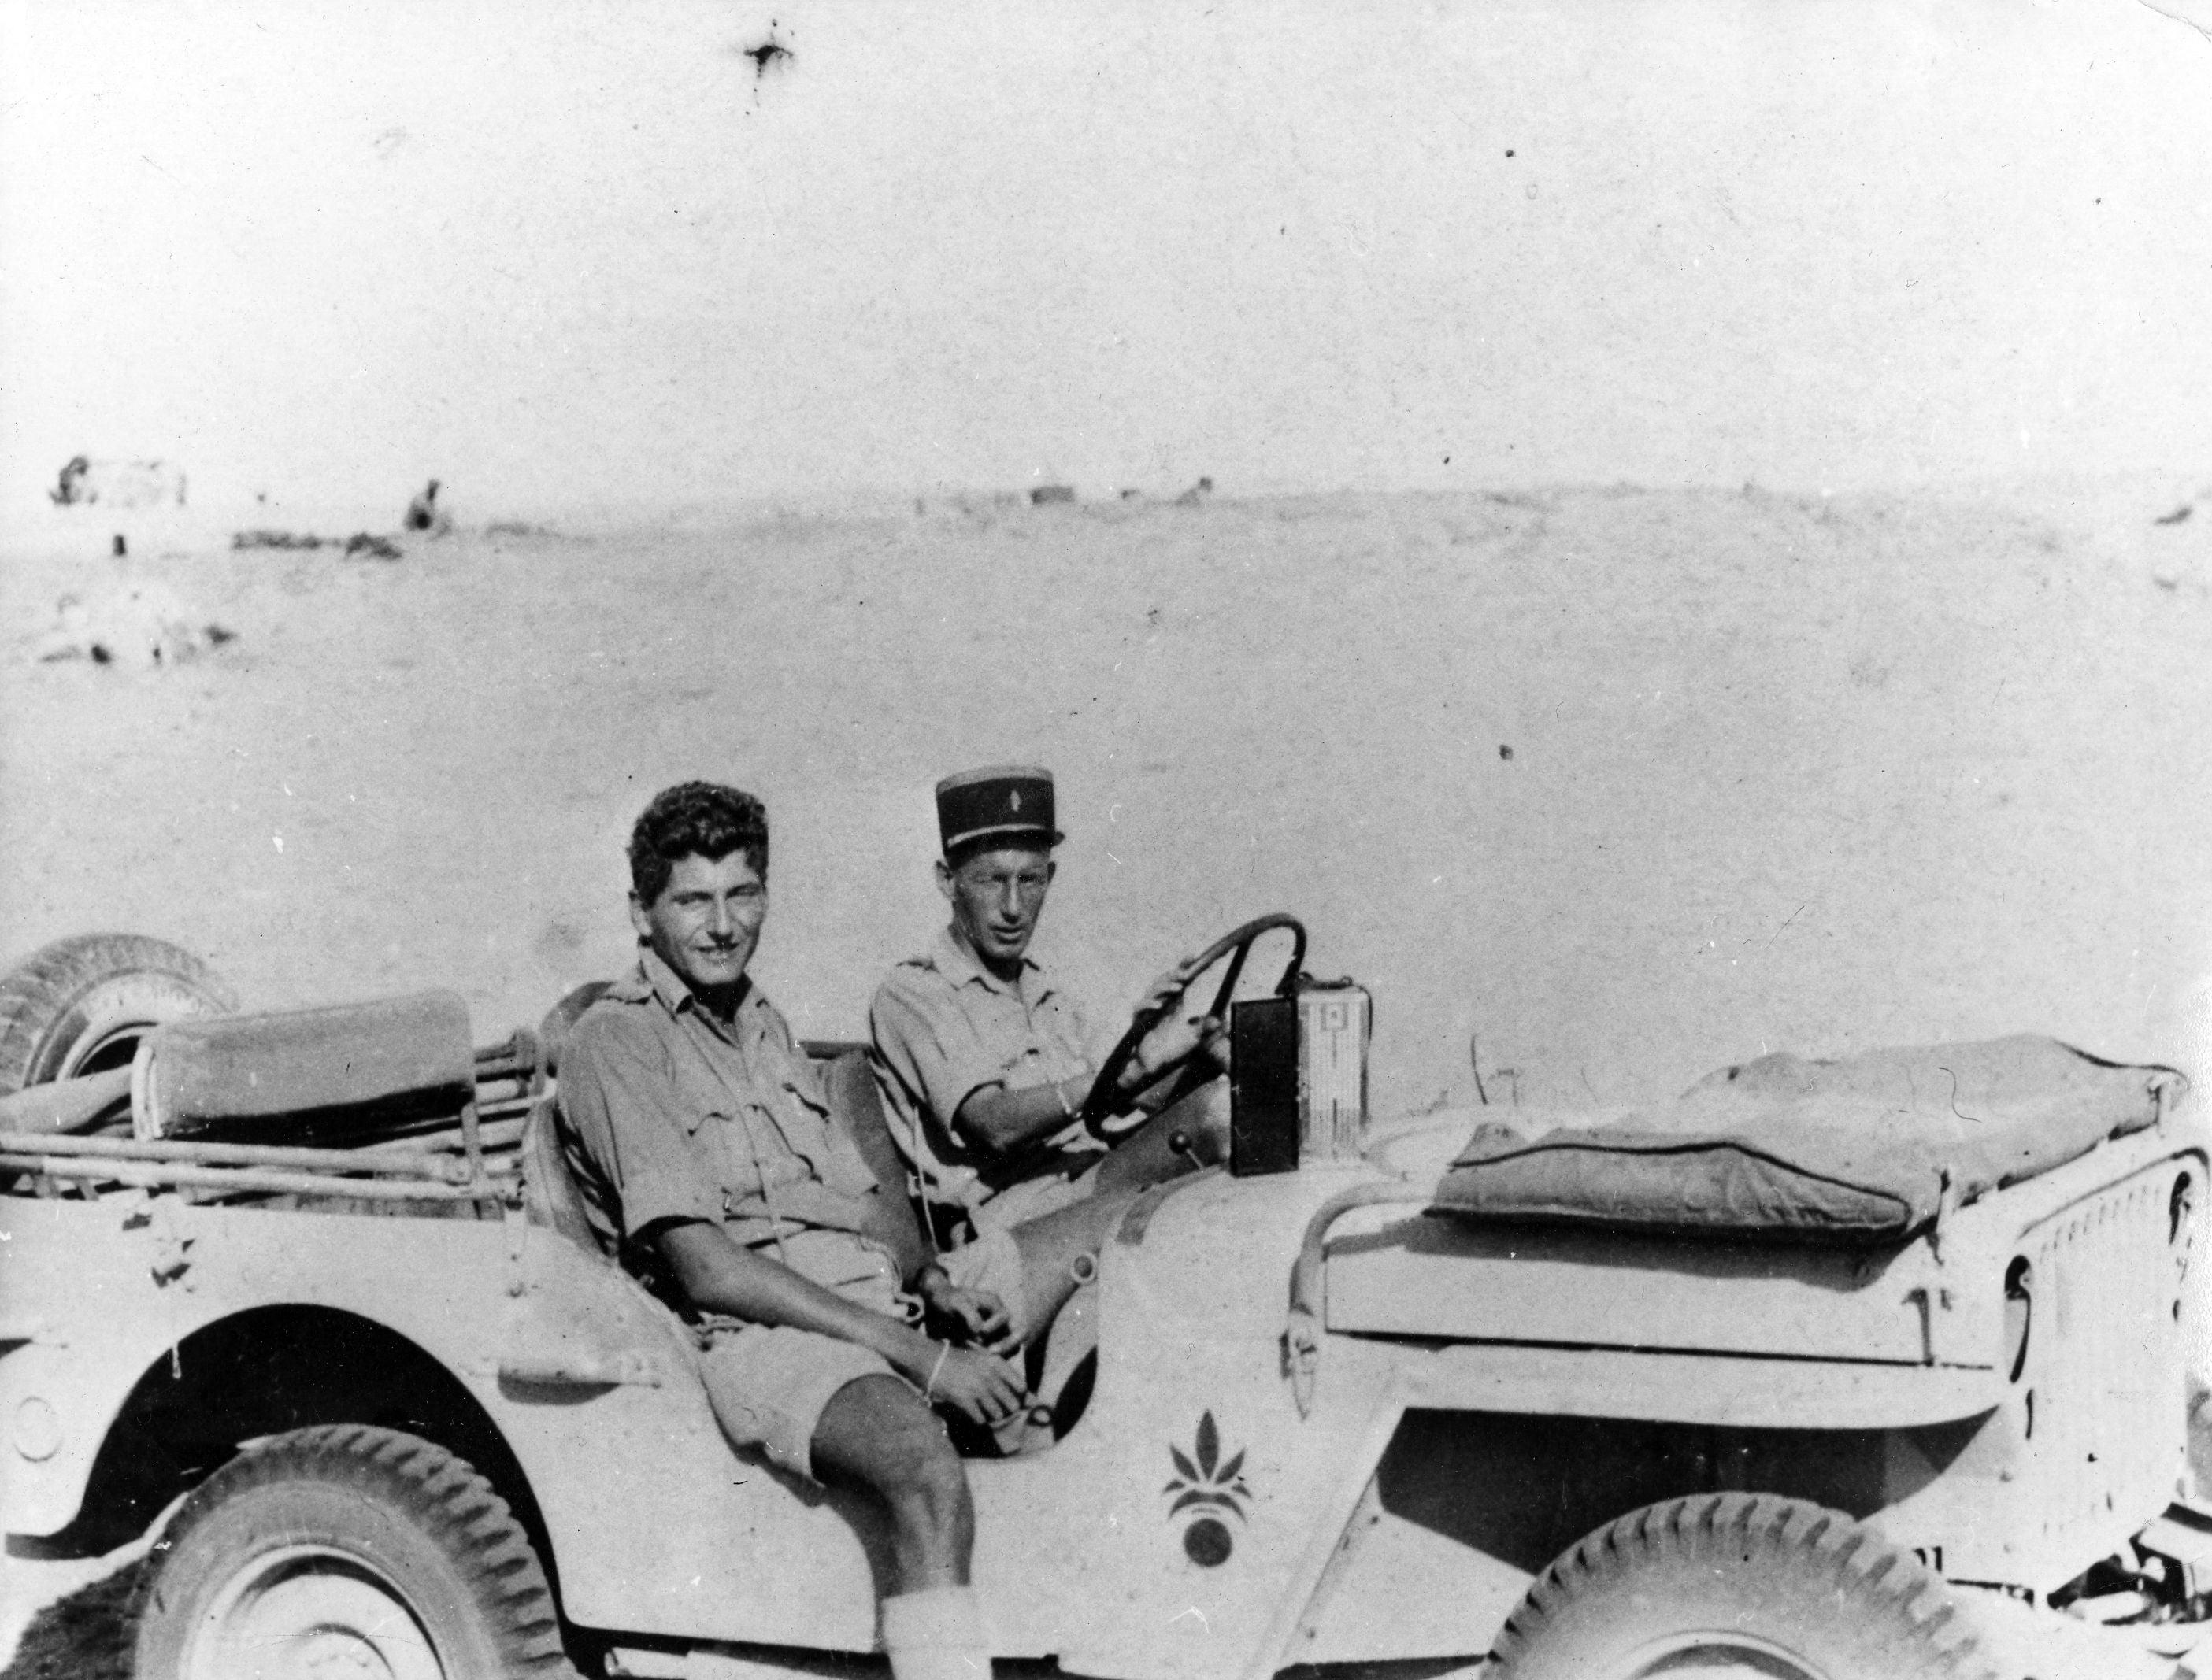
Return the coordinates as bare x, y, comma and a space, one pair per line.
857, 1107
550, 1197
314, 1076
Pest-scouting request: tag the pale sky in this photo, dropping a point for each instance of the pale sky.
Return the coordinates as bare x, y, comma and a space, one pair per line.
563, 254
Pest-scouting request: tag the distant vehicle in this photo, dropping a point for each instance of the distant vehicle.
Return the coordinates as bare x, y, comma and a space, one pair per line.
311, 1291
122, 484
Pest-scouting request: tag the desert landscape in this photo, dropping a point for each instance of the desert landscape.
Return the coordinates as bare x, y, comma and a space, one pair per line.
1622, 784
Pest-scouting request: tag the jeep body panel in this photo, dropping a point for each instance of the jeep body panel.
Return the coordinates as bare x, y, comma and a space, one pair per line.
2050, 1323
656, 1527
1911, 1334
589, 1382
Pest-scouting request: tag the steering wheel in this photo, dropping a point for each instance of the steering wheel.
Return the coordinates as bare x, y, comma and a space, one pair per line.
1236, 944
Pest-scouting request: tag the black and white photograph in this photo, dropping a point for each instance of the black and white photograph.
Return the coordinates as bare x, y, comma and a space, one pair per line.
1164, 841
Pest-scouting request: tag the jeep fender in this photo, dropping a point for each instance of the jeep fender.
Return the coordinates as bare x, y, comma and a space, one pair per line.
1195, 1422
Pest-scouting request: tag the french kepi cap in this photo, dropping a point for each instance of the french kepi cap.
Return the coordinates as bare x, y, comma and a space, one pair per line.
1009, 803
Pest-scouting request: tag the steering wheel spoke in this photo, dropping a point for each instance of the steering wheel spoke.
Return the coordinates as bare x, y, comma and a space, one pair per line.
1100, 1112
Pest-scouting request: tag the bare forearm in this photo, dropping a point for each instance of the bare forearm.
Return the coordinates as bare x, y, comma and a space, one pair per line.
717, 1275
892, 1222
1006, 1119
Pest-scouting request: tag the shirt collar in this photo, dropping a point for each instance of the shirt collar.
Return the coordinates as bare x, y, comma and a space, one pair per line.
656, 979
958, 964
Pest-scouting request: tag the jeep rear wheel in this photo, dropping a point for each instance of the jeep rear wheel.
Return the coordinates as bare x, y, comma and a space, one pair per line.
1743, 1586
351, 1551
80, 1005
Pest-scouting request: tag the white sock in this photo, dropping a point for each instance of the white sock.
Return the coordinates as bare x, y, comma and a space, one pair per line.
936, 1634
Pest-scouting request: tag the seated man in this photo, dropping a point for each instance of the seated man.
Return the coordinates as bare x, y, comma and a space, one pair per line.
985, 1063
701, 1139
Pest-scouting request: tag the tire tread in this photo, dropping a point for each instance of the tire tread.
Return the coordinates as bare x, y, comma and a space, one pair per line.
46, 984
451, 1500
1883, 1580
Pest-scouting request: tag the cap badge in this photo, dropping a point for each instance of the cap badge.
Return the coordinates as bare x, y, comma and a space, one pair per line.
1014, 800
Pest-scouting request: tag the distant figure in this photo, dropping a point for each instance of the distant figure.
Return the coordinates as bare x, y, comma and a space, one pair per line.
1196, 495
423, 513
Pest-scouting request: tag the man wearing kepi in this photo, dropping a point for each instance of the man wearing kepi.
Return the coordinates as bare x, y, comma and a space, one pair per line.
985, 1062
701, 1139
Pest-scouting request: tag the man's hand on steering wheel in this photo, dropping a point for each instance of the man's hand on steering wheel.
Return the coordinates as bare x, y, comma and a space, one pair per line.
1165, 993
1164, 1036
1178, 1038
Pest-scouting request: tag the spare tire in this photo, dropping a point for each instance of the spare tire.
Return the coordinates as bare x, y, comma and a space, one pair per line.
80, 1005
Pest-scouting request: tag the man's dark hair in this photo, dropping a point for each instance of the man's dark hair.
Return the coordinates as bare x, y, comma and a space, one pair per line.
703, 819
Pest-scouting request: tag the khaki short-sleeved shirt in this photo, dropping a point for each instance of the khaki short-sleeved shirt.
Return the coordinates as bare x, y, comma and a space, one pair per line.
944, 1028
673, 1115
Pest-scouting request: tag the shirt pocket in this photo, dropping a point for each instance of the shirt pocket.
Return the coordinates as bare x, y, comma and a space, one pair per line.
834, 1160
720, 1137
808, 1097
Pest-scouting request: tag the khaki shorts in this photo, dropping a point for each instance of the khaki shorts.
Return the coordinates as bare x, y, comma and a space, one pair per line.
1033, 1198
991, 1262
770, 1384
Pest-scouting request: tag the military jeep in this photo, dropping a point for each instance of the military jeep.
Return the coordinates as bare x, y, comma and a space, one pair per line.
1853, 1369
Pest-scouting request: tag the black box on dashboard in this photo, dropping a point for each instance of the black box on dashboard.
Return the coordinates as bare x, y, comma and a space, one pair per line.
1263, 1086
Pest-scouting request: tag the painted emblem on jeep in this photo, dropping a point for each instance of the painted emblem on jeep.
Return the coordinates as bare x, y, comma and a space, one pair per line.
1203, 1484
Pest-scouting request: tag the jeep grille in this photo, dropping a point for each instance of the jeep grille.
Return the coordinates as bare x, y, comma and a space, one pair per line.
2103, 1376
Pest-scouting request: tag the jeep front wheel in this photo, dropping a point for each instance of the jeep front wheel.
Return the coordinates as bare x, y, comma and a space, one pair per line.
1738, 1585
351, 1551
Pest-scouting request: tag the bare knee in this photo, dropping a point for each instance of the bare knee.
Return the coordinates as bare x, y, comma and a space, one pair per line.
878, 1433
931, 1512
932, 1481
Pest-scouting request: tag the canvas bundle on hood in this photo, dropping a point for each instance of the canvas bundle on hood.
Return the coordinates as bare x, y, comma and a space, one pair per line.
1861, 1150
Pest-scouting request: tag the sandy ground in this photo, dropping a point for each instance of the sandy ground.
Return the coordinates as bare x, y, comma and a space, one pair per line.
1622, 785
